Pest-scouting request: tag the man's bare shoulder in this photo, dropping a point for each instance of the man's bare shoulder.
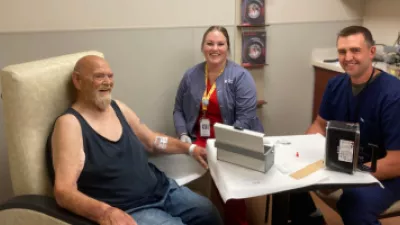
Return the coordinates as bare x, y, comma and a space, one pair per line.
122, 105
67, 134
67, 124
126, 110
129, 114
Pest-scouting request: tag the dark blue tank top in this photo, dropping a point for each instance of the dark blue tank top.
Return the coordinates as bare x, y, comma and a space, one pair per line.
116, 172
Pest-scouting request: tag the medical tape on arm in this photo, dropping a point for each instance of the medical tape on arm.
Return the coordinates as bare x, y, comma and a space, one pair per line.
161, 142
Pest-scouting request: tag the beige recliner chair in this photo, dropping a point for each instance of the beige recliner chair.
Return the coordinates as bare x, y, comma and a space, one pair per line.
34, 94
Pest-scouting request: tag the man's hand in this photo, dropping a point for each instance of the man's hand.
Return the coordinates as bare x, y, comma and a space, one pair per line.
318, 126
115, 216
200, 154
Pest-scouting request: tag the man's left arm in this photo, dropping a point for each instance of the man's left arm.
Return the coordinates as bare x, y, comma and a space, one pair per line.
389, 166
161, 143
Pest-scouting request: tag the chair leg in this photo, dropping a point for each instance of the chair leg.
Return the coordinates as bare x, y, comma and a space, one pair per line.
267, 207
280, 208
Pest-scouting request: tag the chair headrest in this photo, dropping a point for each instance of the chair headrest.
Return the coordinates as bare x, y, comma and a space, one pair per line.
34, 95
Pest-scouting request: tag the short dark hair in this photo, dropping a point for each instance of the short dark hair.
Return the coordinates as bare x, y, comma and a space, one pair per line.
351, 30
220, 29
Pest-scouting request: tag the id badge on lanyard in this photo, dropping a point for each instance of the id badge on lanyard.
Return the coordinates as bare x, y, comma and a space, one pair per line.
205, 125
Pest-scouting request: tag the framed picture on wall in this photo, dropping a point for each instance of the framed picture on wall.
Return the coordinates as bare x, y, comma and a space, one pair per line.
253, 48
253, 12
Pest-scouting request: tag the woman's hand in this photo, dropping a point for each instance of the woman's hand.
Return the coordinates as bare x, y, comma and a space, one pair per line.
186, 139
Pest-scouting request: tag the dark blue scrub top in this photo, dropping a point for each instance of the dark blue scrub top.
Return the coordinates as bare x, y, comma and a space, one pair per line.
379, 110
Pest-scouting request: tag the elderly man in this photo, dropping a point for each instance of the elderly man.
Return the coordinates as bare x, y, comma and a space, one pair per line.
370, 97
98, 161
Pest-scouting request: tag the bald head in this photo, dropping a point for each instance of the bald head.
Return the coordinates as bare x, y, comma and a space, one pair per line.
88, 63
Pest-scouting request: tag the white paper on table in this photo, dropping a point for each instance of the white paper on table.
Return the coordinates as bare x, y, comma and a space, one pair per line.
238, 182
182, 168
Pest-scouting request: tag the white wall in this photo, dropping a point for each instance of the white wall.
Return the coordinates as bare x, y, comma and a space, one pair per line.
296, 28
22, 15
295, 11
383, 19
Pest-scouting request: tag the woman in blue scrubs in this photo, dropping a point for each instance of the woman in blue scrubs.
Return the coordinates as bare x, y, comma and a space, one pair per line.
216, 91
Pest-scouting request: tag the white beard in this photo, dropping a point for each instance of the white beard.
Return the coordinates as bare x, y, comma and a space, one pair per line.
102, 102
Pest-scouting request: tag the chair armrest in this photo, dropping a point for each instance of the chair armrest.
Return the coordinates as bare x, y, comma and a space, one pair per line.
46, 205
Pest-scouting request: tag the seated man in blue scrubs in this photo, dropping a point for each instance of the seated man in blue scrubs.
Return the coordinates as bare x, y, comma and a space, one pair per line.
370, 97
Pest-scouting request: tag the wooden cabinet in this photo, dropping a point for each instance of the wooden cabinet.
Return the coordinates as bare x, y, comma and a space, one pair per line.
321, 78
